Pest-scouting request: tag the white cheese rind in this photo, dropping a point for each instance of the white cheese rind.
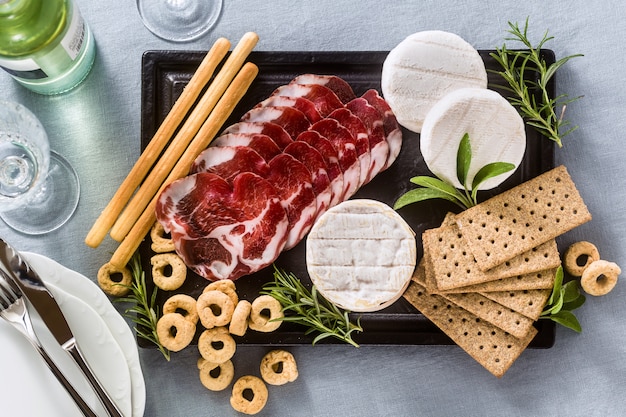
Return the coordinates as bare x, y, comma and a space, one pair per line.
496, 132
423, 68
361, 255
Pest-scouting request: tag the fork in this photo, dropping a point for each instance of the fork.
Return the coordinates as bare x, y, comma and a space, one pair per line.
13, 310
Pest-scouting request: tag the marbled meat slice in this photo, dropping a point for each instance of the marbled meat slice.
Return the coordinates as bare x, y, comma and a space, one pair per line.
344, 143
373, 120
356, 126
292, 181
224, 231
315, 163
393, 133
338, 85
263, 144
331, 158
306, 106
292, 120
229, 161
323, 98
274, 131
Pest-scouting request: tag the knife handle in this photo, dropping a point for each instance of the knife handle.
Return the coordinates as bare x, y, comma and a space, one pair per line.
82, 405
72, 348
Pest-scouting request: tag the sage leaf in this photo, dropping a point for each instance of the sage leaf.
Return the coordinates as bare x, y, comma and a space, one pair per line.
463, 159
489, 171
567, 319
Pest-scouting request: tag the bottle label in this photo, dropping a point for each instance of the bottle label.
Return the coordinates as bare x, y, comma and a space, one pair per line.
72, 43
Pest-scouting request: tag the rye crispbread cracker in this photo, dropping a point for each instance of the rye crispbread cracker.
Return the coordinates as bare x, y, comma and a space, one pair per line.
453, 264
493, 348
502, 317
527, 302
522, 218
539, 280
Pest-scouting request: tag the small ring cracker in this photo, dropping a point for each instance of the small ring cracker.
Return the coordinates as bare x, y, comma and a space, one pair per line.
259, 321
259, 390
113, 287
575, 252
600, 277
182, 302
278, 367
214, 309
209, 345
185, 331
179, 271
225, 374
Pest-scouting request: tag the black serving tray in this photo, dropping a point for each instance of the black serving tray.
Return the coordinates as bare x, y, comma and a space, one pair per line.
166, 73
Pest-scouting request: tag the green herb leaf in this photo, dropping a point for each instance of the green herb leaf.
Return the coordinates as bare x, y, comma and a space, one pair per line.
463, 159
567, 319
422, 194
310, 309
489, 171
144, 311
563, 300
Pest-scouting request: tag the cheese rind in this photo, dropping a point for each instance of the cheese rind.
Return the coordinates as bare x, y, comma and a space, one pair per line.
360, 255
423, 68
496, 132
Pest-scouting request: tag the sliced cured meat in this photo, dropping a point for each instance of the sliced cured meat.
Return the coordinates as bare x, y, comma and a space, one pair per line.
338, 85
274, 131
314, 161
224, 231
373, 120
263, 144
356, 126
292, 181
229, 161
344, 143
290, 119
331, 158
324, 99
393, 133
305, 105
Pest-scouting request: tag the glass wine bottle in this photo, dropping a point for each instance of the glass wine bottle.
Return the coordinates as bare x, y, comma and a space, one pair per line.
45, 45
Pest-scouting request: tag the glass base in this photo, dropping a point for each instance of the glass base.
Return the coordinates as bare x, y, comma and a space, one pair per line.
179, 20
55, 207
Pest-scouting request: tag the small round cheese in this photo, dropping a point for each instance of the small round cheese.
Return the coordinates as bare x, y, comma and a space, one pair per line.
361, 255
496, 132
423, 68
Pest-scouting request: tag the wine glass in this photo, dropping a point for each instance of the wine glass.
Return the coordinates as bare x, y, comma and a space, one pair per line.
39, 189
179, 20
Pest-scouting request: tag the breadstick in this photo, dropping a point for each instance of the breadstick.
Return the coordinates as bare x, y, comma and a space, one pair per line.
160, 171
209, 130
160, 139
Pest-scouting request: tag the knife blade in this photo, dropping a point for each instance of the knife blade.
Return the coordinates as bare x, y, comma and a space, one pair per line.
38, 295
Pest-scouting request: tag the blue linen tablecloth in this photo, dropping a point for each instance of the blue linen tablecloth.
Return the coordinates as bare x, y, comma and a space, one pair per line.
97, 128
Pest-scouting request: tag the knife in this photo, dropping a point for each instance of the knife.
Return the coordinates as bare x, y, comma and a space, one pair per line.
35, 291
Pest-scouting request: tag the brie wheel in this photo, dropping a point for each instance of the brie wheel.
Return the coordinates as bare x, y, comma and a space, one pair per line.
423, 68
496, 132
361, 255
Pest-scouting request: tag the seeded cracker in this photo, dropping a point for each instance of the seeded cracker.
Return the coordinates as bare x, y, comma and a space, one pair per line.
522, 218
490, 346
453, 264
540, 280
527, 302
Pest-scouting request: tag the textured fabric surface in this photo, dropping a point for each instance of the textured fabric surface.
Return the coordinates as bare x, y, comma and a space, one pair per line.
97, 128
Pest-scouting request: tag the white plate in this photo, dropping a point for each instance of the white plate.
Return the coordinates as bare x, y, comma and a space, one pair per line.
30, 389
84, 289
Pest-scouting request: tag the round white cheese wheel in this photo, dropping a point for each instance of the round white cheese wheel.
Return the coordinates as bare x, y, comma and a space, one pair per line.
496, 132
423, 68
361, 255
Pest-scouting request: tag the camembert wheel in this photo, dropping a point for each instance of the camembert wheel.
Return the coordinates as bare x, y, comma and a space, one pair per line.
360, 255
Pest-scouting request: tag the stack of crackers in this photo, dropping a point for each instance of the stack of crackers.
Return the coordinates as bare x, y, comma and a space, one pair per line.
487, 272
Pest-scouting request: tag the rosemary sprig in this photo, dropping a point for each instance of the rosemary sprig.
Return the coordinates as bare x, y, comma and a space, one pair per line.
542, 113
144, 310
438, 188
310, 309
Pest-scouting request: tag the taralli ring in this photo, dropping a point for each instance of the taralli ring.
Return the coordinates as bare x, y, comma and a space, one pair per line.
226, 286
239, 322
579, 256
600, 277
265, 308
214, 309
175, 332
258, 390
168, 271
114, 281
216, 345
278, 367
217, 377
160, 243
183, 304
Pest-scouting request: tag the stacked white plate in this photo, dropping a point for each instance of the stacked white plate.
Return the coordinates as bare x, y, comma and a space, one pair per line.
29, 389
